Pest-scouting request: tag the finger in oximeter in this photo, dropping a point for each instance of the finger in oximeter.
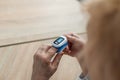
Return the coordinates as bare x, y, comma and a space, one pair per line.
60, 43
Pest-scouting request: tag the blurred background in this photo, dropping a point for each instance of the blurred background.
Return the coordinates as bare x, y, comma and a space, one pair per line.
26, 24
30, 18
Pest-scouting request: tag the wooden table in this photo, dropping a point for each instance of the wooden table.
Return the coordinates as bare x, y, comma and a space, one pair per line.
30, 20
16, 63
26, 24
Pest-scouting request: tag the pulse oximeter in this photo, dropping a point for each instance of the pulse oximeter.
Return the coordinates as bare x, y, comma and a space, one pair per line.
60, 43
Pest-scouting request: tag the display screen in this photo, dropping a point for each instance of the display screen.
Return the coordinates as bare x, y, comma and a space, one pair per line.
59, 40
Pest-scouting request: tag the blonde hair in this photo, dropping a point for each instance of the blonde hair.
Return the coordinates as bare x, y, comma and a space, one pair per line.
104, 19
113, 3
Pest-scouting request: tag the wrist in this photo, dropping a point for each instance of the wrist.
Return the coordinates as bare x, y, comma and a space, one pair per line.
79, 51
83, 67
82, 62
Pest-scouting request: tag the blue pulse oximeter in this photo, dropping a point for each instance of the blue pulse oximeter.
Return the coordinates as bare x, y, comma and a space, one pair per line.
60, 43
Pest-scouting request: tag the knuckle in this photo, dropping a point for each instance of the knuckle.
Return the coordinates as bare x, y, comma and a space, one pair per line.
45, 59
38, 54
43, 48
41, 57
50, 51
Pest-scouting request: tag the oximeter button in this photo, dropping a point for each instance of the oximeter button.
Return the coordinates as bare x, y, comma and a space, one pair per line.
60, 43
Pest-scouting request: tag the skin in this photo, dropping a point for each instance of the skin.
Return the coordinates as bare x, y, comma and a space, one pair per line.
43, 67
75, 49
99, 57
43, 56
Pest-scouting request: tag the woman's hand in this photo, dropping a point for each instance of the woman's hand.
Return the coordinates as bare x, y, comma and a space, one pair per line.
75, 44
43, 68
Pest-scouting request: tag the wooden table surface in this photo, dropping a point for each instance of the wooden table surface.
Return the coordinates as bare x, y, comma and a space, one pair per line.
26, 24
16, 63
29, 20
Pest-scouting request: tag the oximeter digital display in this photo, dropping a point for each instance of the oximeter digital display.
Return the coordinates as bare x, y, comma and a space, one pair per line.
60, 43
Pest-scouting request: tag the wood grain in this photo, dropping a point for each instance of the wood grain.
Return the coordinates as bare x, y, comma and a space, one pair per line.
16, 63
28, 20
29, 23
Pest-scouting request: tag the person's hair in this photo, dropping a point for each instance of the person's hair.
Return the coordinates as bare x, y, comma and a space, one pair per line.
105, 19
104, 38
